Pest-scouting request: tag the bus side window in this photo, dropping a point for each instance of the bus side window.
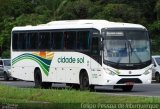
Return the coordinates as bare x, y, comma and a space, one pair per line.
22, 41
69, 40
95, 52
95, 41
33, 40
44, 38
83, 40
15, 41
56, 40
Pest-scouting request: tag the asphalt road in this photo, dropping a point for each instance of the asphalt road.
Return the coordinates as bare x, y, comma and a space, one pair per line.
138, 90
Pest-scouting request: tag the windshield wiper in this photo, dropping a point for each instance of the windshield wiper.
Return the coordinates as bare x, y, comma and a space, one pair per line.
134, 52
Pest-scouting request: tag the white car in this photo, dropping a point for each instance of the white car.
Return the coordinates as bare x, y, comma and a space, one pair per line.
156, 68
5, 66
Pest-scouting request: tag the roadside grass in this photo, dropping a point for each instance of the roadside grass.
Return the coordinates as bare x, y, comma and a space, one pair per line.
40, 97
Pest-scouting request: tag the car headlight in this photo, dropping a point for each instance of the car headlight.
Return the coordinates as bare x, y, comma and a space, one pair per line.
9, 71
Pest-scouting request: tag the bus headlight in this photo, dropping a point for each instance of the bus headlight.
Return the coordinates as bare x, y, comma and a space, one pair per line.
148, 71
110, 72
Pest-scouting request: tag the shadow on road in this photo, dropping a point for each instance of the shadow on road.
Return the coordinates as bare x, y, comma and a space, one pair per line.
99, 89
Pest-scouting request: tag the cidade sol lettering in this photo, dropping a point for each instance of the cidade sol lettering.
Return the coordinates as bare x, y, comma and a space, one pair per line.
66, 60
70, 60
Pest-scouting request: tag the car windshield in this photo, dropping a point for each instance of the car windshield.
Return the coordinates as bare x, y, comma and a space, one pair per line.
158, 60
127, 47
7, 63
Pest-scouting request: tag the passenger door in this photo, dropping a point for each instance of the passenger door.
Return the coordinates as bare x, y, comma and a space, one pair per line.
96, 59
95, 52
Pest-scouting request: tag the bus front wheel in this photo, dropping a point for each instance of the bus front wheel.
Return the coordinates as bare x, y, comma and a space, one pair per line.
84, 81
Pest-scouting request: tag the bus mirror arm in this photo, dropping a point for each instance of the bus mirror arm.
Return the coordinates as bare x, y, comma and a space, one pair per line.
101, 42
102, 37
101, 45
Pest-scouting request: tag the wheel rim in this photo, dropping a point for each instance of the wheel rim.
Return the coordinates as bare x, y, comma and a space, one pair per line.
84, 82
38, 80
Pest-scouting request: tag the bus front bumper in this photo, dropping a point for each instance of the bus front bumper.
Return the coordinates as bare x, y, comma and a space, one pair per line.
129, 80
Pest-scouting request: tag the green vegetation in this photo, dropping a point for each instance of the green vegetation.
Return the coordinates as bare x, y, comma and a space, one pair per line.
66, 96
33, 12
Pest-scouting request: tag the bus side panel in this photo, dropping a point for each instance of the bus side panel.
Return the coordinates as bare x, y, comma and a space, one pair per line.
64, 67
97, 73
22, 68
63, 75
67, 66
72, 75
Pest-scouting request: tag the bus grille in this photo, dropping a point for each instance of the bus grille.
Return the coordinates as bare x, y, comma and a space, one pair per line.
126, 80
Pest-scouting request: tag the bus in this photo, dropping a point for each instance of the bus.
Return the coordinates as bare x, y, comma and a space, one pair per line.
82, 54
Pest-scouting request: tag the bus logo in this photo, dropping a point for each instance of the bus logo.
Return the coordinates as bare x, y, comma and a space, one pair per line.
43, 59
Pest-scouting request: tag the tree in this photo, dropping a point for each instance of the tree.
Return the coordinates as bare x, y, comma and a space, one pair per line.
157, 9
121, 12
33, 12
76, 10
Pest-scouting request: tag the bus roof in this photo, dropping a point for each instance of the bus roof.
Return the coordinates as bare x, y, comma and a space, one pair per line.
80, 24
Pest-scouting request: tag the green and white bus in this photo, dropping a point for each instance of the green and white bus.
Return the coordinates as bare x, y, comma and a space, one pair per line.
82, 54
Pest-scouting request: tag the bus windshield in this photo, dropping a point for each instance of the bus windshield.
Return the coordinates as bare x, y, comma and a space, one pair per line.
127, 47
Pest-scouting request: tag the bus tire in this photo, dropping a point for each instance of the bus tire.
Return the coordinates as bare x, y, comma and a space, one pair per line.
127, 88
38, 78
84, 81
6, 78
